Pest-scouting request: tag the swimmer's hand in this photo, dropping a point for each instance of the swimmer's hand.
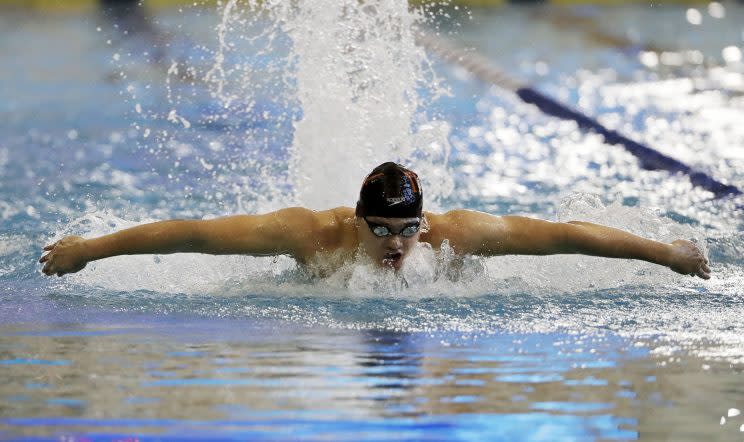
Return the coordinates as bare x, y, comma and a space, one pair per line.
68, 255
686, 258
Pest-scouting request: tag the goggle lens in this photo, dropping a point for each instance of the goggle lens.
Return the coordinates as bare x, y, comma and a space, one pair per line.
381, 231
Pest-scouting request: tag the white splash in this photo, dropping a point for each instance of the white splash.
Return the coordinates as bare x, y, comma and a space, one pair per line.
358, 68
360, 80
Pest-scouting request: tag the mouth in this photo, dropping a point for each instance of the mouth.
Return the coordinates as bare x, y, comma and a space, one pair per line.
392, 259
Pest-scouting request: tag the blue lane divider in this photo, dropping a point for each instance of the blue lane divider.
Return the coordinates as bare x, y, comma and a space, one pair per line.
649, 158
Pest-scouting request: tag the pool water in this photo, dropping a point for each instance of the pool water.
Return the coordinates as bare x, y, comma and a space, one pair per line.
216, 110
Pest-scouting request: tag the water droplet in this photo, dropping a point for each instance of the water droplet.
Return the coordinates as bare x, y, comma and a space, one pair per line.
731, 54
716, 10
694, 17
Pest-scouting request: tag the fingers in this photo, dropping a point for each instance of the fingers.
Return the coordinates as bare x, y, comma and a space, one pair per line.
47, 269
47, 248
50, 268
698, 266
703, 274
50, 272
704, 270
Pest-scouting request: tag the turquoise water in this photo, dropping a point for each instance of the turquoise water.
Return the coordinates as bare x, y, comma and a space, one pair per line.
209, 112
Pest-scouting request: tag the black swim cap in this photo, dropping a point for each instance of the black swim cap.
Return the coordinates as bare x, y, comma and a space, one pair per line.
390, 191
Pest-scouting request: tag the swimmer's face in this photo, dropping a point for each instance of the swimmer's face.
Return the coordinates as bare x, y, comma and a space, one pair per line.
388, 240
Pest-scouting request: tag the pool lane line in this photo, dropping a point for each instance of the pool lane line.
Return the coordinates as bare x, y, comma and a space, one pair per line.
649, 158
566, 20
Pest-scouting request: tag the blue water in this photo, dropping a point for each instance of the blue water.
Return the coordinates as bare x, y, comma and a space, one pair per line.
515, 348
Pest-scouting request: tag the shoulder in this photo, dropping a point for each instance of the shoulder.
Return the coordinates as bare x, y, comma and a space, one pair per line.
319, 219
334, 221
460, 218
462, 228
322, 230
338, 226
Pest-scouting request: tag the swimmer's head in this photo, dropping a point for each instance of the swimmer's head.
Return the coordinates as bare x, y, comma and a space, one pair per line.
389, 216
390, 191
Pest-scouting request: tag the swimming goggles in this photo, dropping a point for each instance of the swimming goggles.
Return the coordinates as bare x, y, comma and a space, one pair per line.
381, 230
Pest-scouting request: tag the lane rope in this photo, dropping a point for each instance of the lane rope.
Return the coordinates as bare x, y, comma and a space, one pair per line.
649, 158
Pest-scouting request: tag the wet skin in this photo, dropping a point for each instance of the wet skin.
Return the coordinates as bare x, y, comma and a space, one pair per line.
387, 251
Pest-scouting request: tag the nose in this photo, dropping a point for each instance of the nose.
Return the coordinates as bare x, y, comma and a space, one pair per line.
394, 242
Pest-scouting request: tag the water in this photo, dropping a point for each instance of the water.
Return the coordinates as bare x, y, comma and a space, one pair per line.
211, 111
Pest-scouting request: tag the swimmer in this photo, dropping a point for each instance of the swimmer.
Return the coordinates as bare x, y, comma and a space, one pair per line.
386, 224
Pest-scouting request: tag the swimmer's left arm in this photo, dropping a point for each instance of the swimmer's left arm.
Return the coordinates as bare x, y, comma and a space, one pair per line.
483, 234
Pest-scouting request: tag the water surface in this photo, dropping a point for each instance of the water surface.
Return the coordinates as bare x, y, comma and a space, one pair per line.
221, 111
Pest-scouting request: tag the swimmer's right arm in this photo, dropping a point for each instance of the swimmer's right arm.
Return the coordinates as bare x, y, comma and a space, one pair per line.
288, 231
